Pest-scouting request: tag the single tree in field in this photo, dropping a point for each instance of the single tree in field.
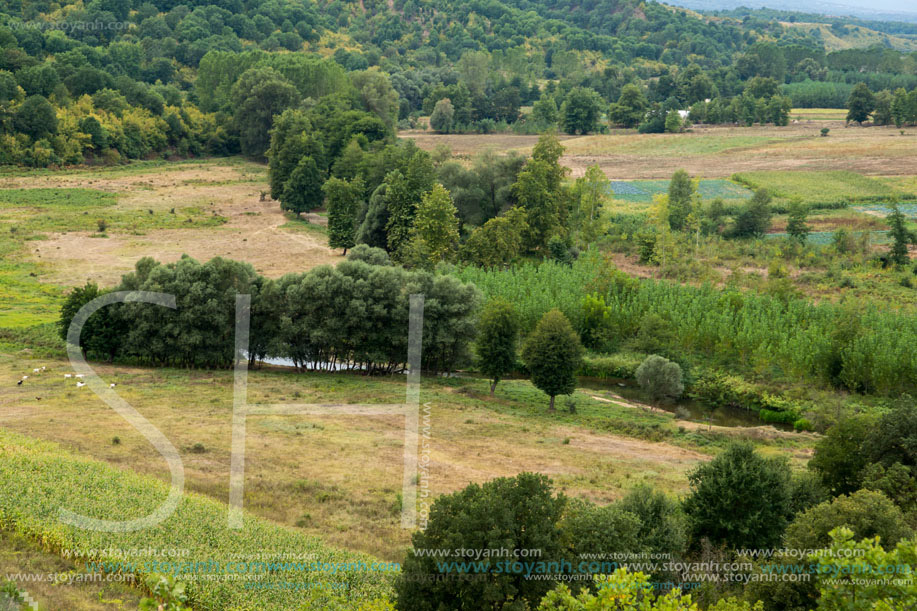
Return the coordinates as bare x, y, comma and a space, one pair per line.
498, 336
660, 378
901, 237
303, 190
860, 104
443, 114
342, 201
796, 226
681, 195
739, 499
553, 353
435, 232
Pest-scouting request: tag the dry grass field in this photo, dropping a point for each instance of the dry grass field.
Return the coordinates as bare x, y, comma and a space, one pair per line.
718, 152
340, 477
254, 230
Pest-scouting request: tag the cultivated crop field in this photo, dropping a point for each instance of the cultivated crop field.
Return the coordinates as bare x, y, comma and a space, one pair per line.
818, 114
834, 187
643, 191
718, 152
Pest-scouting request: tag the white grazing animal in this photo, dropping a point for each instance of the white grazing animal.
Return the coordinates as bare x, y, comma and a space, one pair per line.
80, 384
36, 371
112, 385
79, 375
68, 375
25, 377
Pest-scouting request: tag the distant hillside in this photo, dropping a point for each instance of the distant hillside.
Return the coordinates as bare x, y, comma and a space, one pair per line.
837, 38
884, 10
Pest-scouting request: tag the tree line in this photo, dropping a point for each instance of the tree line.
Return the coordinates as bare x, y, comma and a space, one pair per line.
353, 316
168, 80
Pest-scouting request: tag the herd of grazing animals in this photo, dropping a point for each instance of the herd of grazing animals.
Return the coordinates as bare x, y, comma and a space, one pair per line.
43, 368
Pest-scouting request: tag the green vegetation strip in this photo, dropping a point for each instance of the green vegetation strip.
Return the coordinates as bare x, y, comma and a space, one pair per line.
38, 478
793, 338
823, 189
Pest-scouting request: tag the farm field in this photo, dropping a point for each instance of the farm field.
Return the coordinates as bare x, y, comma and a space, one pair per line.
818, 114
717, 152
824, 187
626, 193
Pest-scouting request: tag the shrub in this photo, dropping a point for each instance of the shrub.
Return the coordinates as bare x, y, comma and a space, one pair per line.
839, 458
660, 378
621, 365
369, 254
868, 513
739, 499
513, 513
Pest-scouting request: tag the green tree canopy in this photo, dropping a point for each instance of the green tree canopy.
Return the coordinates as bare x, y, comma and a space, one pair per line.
258, 95
860, 104
435, 231
739, 499
342, 201
581, 111
552, 353
497, 341
511, 513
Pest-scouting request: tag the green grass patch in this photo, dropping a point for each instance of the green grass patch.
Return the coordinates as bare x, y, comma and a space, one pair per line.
301, 225
821, 189
643, 191
38, 478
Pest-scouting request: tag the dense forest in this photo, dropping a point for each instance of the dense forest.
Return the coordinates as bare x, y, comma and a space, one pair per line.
112, 80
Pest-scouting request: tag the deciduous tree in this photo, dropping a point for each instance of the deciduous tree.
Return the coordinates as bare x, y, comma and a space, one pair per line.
553, 353
497, 341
